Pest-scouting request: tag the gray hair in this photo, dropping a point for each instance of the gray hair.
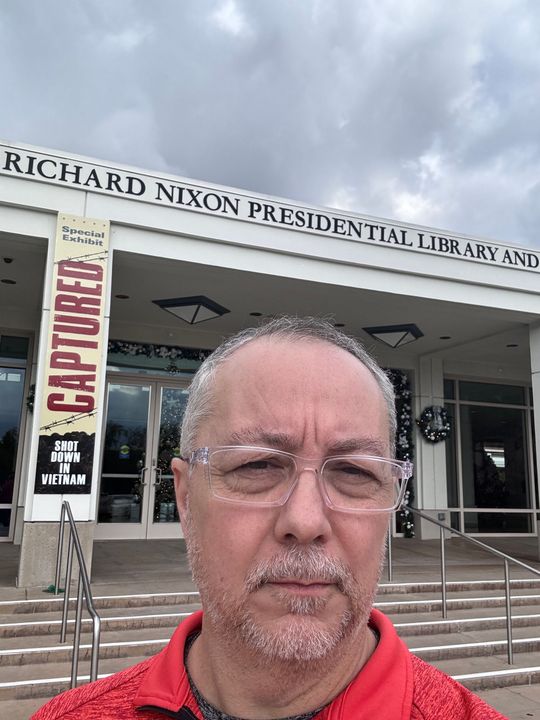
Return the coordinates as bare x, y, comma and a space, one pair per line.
199, 405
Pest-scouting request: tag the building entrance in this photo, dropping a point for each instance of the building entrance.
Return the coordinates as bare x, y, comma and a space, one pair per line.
491, 483
141, 437
11, 403
13, 387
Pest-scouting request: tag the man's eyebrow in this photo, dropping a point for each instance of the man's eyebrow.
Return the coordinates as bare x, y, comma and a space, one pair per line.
281, 441
362, 446
260, 437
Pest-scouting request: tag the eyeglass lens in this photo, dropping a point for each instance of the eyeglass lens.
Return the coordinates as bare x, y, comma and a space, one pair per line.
266, 477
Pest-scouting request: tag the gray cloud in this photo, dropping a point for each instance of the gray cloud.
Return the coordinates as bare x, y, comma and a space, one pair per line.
415, 110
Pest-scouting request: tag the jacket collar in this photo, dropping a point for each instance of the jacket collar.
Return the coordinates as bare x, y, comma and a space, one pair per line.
382, 689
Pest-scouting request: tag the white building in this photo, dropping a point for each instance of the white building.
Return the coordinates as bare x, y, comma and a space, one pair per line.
101, 271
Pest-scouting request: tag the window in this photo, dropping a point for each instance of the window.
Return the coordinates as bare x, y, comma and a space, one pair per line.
487, 457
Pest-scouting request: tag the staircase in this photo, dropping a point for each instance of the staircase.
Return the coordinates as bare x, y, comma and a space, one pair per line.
470, 644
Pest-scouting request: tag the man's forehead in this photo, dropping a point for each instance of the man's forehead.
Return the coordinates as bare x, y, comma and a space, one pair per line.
269, 364
270, 375
260, 354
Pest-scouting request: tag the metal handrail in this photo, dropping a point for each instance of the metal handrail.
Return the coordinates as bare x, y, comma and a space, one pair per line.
389, 561
506, 558
83, 589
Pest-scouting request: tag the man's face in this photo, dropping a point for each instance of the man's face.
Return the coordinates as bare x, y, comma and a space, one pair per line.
292, 581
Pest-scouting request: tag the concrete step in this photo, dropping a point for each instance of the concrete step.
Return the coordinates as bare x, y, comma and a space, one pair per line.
54, 603
427, 626
492, 671
37, 649
50, 678
393, 607
407, 588
53, 615
50, 627
510, 677
483, 648
43, 641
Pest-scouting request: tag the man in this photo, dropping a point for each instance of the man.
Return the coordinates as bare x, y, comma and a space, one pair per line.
284, 489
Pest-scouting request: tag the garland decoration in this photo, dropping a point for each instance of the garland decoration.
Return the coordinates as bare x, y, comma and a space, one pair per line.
170, 352
404, 442
434, 423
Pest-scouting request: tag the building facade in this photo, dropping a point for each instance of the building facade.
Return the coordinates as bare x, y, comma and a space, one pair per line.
115, 283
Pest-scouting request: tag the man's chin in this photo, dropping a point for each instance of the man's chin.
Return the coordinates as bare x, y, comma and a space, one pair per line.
296, 636
301, 605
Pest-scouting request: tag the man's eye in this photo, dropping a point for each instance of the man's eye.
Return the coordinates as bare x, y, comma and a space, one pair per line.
266, 465
351, 469
256, 465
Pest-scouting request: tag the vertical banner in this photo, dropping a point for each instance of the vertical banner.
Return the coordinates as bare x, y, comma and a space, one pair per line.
68, 404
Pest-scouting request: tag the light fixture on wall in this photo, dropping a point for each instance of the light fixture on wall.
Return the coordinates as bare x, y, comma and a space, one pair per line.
395, 335
193, 309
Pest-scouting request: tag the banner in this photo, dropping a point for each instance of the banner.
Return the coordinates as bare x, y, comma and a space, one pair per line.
68, 404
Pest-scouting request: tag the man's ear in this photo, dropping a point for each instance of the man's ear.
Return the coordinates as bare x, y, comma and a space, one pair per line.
180, 470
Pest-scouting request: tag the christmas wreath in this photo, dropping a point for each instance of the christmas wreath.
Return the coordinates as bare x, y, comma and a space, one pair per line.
434, 424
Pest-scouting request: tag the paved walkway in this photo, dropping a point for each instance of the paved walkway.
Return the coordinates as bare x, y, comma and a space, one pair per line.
149, 565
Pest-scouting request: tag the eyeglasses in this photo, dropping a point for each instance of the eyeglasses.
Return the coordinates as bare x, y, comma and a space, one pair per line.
266, 477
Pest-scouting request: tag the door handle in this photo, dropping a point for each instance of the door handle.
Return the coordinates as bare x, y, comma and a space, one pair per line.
159, 477
142, 481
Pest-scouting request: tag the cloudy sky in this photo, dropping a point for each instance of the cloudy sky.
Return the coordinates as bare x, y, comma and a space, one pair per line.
417, 110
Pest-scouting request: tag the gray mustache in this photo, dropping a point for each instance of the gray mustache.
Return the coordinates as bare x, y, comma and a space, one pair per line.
307, 564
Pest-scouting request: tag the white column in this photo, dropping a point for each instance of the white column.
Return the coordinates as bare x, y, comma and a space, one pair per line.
431, 494
534, 345
42, 510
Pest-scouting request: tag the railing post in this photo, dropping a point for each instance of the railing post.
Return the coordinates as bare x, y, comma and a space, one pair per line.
510, 649
96, 629
59, 550
84, 593
443, 576
389, 553
65, 609
77, 634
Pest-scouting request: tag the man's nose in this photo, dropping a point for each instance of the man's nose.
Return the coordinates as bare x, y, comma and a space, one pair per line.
304, 518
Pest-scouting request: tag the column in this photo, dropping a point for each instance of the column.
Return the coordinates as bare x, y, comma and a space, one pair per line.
534, 345
70, 388
430, 457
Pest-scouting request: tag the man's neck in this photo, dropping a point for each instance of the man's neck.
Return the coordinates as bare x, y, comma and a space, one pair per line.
245, 684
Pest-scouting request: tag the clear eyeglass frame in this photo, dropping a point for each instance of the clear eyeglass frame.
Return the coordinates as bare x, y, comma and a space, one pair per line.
400, 471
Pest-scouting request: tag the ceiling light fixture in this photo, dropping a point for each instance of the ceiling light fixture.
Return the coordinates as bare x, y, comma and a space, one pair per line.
193, 309
395, 335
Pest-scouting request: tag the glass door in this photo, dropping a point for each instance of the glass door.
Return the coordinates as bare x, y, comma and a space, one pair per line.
11, 404
163, 518
124, 469
141, 437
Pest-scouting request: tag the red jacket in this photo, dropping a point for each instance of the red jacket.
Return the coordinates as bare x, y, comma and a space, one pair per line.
392, 685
